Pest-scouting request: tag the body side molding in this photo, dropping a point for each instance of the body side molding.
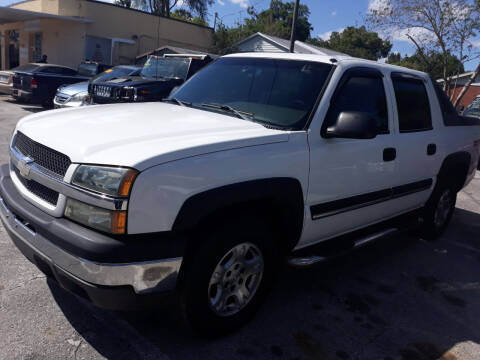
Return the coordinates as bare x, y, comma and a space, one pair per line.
334, 207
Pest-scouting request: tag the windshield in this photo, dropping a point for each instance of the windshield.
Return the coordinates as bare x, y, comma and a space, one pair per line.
113, 73
157, 68
279, 93
87, 69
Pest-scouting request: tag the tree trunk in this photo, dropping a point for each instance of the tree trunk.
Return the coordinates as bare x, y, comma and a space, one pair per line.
467, 85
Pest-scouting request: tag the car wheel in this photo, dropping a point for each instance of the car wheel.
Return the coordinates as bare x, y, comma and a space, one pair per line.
47, 104
229, 277
438, 211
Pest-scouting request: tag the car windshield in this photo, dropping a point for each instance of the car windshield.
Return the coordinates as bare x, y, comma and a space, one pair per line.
87, 69
113, 73
472, 111
280, 93
159, 67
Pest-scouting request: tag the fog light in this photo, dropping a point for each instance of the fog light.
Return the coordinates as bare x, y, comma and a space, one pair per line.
110, 221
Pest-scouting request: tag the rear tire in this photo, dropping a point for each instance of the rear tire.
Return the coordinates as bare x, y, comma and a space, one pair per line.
228, 276
438, 211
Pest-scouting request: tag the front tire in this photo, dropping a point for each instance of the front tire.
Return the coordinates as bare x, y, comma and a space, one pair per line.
228, 277
438, 212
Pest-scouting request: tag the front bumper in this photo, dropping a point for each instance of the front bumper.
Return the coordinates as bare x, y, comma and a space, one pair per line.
114, 285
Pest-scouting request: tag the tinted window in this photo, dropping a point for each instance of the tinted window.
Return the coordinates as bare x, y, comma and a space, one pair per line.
281, 93
26, 68
66, 71
87, 69
158, 68
362, 94
51, 70
412, 104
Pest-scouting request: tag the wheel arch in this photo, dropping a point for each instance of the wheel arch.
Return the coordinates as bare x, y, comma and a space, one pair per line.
279, 200
454, 169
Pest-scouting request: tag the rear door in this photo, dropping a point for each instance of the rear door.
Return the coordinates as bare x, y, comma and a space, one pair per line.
417, 142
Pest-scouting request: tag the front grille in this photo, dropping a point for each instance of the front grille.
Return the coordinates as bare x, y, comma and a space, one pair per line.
61, 98
38, 189
51, 160
102, 90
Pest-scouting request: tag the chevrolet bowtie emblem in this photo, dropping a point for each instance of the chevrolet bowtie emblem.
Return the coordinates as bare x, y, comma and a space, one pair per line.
23, 166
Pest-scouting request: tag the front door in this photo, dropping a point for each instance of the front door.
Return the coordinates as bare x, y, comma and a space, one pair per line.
350, 179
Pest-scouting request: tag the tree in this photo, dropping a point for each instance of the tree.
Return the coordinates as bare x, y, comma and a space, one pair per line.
358, 42
433, 65
124, 3
276, 21
443, 26
186, 15
165, 7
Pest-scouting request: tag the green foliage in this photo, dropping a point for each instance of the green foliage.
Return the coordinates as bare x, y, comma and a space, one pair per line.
165, 7
358, 42
186, 15
124, 3
276, 21
431, 63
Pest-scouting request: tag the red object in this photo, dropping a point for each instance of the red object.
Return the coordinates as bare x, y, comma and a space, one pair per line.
33, 83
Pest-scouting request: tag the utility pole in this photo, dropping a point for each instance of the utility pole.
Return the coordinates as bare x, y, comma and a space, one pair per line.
294, 22
215, 21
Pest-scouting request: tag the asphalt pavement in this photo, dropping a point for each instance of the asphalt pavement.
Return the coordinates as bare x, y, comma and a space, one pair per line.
401, 298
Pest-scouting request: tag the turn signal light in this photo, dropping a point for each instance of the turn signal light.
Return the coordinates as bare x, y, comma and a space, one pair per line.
33, 83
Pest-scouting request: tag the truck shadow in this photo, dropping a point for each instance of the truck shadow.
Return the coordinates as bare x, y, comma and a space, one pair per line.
403, 298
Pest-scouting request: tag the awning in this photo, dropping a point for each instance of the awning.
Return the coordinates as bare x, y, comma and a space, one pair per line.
11, 15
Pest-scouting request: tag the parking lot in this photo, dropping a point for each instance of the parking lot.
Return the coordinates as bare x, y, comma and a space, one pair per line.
402, 298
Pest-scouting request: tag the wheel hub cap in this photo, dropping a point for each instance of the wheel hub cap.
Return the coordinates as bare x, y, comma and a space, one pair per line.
235, 279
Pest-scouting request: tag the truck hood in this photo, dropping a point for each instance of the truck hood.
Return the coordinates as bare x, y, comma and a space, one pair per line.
142, 135
138, 81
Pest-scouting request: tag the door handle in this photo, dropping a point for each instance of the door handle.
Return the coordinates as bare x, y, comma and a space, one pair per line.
431, 149
389, 154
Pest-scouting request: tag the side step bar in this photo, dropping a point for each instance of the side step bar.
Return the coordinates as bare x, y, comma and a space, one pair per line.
315, 259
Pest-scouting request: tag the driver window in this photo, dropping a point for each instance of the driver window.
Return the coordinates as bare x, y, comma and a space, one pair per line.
363, 94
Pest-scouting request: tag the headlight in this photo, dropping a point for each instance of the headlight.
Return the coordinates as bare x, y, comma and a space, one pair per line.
114, 181
80, 97
101, 219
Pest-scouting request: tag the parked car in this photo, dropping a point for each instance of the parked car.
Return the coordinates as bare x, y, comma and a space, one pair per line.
158, 77
256, 159
6, 81
473, 109
39, 82
77, 94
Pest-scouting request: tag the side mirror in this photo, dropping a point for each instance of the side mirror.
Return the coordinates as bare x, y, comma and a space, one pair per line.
460, 109
353, 125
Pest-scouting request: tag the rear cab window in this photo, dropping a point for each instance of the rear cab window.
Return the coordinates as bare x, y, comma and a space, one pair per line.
413, 105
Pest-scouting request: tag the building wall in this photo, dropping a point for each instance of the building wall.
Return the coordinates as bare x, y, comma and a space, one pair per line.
62, 41
259, 44
472, 92
112, 22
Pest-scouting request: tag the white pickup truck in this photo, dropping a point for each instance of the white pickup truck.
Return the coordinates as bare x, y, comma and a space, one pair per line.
256, 159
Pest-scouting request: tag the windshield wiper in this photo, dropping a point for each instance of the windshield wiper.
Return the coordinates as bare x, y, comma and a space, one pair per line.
241, 114
179, 102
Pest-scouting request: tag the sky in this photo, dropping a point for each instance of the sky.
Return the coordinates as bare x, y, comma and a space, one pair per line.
326, 16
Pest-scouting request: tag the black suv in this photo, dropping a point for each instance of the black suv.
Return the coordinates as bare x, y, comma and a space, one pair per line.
158, 77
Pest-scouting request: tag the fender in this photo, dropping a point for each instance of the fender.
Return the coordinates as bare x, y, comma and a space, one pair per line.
281, 197
454, 169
